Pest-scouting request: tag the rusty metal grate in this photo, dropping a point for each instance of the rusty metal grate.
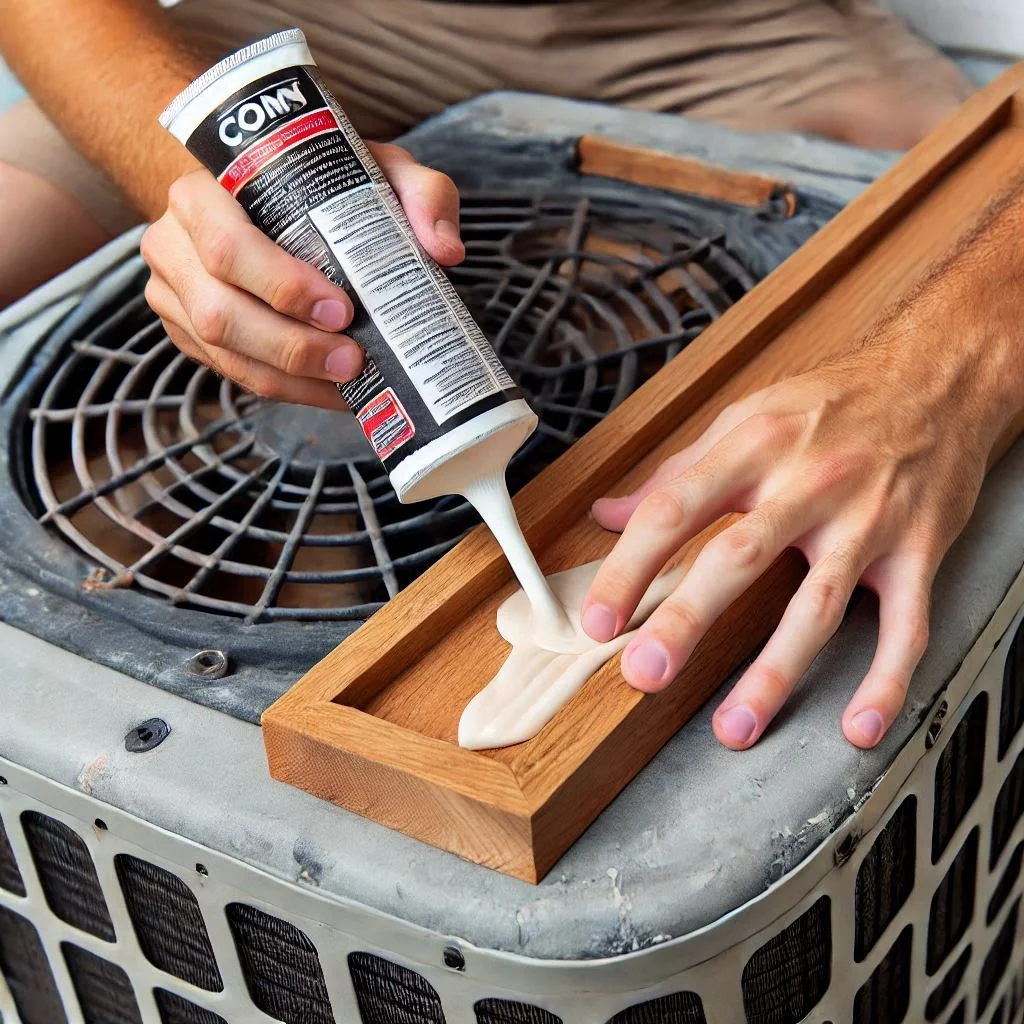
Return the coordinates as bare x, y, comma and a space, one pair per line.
173, 482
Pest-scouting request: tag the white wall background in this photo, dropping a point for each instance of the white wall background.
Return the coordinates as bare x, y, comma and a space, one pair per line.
988, 26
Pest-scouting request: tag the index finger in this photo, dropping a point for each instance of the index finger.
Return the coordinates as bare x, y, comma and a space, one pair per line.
232, 249
665, 519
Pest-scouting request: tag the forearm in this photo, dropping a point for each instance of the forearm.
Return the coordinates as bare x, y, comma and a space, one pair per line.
992, 278
958, 332
103, 70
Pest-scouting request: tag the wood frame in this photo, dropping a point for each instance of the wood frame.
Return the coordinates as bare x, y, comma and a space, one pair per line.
372, 727
642, 166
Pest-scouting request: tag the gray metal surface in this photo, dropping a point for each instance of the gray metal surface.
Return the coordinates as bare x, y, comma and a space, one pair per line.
711, 964
503, 118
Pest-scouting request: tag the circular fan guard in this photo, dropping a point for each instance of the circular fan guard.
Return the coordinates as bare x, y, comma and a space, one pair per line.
174, 481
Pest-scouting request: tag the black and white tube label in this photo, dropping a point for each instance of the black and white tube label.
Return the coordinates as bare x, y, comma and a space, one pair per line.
285, 149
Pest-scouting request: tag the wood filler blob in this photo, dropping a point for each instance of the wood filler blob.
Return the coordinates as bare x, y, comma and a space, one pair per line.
539, 678
489, 495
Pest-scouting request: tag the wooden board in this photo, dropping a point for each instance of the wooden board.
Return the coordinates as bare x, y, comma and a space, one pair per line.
643, 166
372, 727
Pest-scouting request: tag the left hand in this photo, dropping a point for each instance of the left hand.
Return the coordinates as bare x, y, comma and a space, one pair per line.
870, 466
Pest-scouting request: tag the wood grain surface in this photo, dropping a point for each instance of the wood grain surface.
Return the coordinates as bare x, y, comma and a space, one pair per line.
643, 166
372, 727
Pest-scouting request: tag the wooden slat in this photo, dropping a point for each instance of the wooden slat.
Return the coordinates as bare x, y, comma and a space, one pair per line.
403, 679
642, 166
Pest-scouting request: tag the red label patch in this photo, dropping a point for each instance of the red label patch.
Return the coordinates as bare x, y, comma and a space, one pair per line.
245, 167
385, 423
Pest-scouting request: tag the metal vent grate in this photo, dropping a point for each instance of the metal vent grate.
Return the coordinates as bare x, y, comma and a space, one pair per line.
886, 878
388, 993
942, 994
168, 922
1017, 992
175, 1010
67, 875
1005, 885
105, 994
1008, 809
10, 876
678, 1008
280, 965
788, 975
25, 968
174, 483
998, 958
885, 996
1011, 709
958, 775
953, 904
504, 1011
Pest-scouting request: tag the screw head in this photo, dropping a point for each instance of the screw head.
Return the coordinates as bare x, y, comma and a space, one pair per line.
146, 736
453, 958
211, 664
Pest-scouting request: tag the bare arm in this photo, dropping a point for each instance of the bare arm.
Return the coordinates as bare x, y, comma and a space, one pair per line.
229, 297
103, 70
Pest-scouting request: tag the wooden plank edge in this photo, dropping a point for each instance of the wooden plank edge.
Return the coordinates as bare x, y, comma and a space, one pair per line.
333, 753
395, 748
641, 165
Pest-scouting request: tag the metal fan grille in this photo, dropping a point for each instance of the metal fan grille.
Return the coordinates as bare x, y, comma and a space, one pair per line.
173, 481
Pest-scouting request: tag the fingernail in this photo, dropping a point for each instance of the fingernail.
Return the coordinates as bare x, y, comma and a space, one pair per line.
647, 659
343, 363
599, 623
869, 725
737, 725
448, 231
330, 314
606, 509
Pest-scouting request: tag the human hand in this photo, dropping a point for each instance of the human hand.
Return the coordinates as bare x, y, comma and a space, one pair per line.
870, 466
232, 299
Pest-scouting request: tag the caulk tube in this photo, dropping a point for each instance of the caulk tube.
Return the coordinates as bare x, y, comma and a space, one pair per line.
433, 399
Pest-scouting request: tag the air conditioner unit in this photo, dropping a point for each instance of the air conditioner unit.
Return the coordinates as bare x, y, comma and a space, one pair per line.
176, 553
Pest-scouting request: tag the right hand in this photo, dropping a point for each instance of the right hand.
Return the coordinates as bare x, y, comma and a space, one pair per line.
233, 300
